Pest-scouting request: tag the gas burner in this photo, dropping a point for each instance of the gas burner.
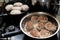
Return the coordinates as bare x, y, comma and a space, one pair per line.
10, 31
10, 28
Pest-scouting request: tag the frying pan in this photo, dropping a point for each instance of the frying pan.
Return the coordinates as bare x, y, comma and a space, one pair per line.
12, 2
50, 18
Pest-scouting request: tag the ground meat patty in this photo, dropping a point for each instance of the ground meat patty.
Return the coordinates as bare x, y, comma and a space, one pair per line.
44, 33
43, 19
35, 33
40, 26
34, 18
50, 26
29, 25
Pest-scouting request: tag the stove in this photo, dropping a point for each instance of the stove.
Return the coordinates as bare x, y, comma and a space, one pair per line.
10, 29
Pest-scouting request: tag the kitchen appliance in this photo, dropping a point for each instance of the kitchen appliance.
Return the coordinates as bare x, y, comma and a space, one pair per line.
12, 21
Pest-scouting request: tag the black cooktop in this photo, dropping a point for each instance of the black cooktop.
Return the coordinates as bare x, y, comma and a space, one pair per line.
10, 24
12, 30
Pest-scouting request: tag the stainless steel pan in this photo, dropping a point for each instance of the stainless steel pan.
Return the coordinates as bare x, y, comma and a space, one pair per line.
50, 17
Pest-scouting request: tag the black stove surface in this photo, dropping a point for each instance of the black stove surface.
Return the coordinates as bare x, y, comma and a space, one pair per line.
11, 28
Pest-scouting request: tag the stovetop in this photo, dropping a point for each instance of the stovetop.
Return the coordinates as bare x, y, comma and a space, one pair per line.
11, 29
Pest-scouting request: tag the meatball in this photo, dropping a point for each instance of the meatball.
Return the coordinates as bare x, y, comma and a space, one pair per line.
18, 4
50, 26
40, 26
25, 7
43, 19
34, 18
35, 33
9, 7
29, 25
44, 33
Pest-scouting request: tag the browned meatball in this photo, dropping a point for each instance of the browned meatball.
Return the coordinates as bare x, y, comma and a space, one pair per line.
44, 33
40, 25
29, 25
35, 33
50, 26
43, 19
34, 18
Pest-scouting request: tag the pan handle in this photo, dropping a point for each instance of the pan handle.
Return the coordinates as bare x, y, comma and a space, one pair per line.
7, 34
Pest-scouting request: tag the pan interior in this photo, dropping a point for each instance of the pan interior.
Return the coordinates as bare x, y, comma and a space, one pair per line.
51, 19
